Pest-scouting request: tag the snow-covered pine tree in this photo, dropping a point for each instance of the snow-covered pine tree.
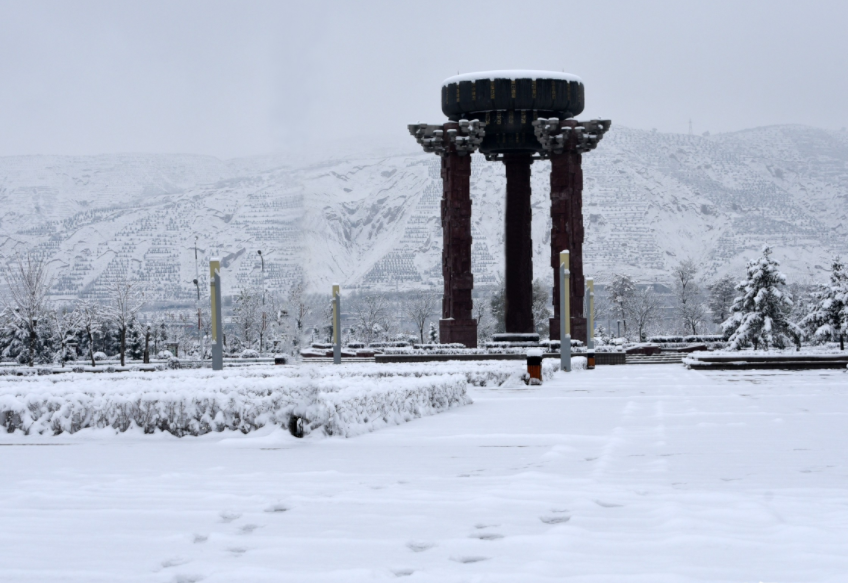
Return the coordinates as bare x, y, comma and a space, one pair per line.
433, 334
759, 315
65, 324
722, 294
827, 319
25, 329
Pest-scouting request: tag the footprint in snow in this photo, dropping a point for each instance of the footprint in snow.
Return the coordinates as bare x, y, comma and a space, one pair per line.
187, 578
175, 562
248, 528
467, 560
481, 525
487, 535
403, 572
603, 504
200, 538
237, 551
227, 517
277, 508
561, 519
419, 546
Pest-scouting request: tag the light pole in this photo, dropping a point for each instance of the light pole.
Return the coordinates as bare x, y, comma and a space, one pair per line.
264, 317
217, 320
197, 302
565, 311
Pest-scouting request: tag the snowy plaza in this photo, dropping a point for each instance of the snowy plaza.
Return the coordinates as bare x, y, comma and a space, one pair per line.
650, 473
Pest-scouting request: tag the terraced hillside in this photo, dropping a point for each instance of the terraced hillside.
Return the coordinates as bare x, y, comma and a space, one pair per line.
372, 219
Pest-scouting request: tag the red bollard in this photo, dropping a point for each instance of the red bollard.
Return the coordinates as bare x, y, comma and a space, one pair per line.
534, 366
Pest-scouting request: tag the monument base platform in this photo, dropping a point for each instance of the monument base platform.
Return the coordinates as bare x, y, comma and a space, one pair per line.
578, 329
461, 331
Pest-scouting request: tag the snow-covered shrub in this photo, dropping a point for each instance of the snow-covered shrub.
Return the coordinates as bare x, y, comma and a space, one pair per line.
700, 338
164, 355
249, 353
194, 402
100, 356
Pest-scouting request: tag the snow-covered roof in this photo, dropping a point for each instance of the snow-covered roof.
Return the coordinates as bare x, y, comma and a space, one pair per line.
512, 74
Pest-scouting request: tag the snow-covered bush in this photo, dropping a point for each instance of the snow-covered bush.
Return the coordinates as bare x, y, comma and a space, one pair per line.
249, 353
700, 338
100, 356
164, 355
194, 402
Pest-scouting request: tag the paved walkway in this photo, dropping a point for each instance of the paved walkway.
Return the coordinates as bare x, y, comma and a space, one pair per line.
649, 474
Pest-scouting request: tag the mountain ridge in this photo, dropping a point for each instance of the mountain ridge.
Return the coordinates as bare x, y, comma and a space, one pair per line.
370, 219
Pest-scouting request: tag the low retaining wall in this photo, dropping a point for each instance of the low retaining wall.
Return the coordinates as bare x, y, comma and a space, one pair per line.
600, 357
745, 361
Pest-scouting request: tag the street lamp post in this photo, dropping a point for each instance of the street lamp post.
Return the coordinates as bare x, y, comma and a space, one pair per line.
264, 316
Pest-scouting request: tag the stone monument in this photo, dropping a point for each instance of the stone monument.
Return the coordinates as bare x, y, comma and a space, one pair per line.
514, 117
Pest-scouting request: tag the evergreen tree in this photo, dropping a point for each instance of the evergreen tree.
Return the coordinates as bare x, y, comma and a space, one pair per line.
433, 334
759, 315
65, 324
722, 294
135, 340
827, 319
25, 328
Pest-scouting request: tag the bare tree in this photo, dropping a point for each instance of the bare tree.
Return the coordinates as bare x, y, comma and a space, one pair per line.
370, 314
299, 309
690, 307
126, 299
419, 307
91, 318
497, 306
643, 309
541, 307
28, 283
622, 292
247, 315
485, 321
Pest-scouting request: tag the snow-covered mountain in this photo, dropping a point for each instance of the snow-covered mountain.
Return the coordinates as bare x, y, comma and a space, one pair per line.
371, 219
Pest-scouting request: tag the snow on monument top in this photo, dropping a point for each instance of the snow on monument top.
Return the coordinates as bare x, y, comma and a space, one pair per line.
512, 74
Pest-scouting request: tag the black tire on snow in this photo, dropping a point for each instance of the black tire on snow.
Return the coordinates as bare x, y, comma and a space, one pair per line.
296, 426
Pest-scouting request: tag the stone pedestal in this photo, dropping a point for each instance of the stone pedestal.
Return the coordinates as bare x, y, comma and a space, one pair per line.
457, 323
518, 296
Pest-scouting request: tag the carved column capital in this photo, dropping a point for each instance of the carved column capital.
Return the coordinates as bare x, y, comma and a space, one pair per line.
558, 136
461, 137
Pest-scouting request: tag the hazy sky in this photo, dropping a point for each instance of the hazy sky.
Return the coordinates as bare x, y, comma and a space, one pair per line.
242, 78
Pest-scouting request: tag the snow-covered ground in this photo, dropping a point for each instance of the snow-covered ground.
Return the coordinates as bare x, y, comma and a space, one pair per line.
650, 474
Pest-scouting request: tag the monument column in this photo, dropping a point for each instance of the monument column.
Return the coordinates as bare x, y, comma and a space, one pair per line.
454, 142
518, 246
564, 143
567, 235
457, 323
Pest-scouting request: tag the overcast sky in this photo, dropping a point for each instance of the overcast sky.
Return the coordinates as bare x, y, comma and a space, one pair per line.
242, 78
